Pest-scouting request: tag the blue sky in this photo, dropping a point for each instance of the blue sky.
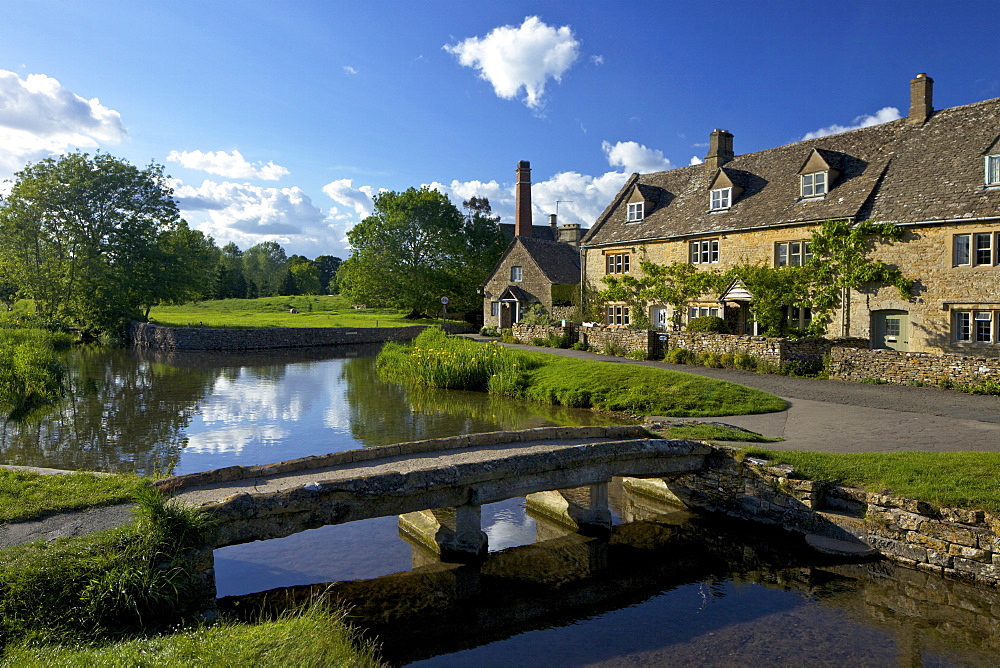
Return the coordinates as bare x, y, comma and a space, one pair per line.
279, 120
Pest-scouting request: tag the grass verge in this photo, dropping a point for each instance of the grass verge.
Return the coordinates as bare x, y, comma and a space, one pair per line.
316, 636
435, 360
953, 479
715, 432
25, 495
313, 311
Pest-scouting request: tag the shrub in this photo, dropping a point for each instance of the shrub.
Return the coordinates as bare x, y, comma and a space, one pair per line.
988, 386
539, 341
31, 373
709, 324
489, 331
535, 314
559, 340
745, 362
727, 360
763, 366
580, 345
613, 349
507, 335
679, 356
711, 360
871, 380
637, 355
802, 365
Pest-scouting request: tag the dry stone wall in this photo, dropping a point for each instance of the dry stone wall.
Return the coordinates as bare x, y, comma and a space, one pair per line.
773, 350
953, 542
907, 368
622, 341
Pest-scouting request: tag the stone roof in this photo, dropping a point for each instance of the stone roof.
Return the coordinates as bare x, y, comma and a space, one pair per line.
559, 262
901, 172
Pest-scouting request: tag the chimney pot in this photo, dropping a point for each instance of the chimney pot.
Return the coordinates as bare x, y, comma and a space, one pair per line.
720, 149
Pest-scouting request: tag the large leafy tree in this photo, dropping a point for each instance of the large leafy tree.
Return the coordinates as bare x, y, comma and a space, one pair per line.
96, 240
265, 265
416, 247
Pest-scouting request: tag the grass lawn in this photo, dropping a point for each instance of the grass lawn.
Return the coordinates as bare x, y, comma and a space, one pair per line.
313, 311
27, 496
953, 479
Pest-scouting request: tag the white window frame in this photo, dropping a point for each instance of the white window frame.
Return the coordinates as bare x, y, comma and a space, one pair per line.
617, 263
814, 184
992, 170
982, 329
617, 315
494, 309
516, 274
982, 252
721, 199
961, 250
636, 212
792, 253
705, 251
963, 326
702, 312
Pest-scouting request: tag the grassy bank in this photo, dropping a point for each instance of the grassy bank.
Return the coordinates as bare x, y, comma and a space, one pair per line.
30, 371
26, 496
435, 360
313, 311
955, 479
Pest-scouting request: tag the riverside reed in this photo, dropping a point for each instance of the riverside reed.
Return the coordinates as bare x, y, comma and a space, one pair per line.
30, 370
437, 360
950, 479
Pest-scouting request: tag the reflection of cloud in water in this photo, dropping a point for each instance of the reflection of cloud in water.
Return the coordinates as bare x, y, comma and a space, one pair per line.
338, 414
234, 439
507, 524
249, 397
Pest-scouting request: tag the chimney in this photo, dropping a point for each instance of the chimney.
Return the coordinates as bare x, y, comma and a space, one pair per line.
552, 222
522, 214
720, 150
921, 102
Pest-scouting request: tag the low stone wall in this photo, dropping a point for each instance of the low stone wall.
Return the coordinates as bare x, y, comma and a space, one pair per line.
773, 350
953, 542
891, 366
528, 333
621, 340
145, 334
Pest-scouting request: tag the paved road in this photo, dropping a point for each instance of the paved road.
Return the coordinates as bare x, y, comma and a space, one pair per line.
837, 416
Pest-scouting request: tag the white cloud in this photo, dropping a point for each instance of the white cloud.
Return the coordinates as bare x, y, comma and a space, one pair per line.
635, 157
350, 70
695, 160
597, 60
40, 118
512, 58
883, 115
229, 165
247, 214
345, 194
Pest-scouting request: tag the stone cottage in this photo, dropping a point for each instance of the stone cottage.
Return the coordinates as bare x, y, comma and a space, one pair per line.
541, 265
935, 172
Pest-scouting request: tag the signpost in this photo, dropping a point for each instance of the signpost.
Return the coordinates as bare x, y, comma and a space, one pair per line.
444, 312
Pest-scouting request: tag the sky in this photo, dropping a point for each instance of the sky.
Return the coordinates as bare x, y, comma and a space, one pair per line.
279, 120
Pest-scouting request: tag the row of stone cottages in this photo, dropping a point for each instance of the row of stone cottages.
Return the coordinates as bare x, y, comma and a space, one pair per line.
936, 173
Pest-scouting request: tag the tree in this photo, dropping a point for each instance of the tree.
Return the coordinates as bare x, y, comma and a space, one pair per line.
230, 282
92, 238
415, 248
264, 265
305, 277
328, 266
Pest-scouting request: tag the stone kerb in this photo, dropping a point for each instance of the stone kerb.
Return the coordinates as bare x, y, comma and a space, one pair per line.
146, 334
908, 368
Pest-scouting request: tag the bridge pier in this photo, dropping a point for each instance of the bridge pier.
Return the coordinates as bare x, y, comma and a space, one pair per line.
585, 509
455, 534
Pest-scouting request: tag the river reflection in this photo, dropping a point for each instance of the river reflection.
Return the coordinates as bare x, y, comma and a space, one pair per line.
175, 413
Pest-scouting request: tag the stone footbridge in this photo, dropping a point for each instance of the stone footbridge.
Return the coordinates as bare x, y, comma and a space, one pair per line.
437, 486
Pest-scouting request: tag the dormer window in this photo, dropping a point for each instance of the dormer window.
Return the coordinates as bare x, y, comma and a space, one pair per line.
722, 198
993, 170
814, 185
635, 211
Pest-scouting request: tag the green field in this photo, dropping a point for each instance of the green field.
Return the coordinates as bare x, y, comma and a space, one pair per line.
313, 311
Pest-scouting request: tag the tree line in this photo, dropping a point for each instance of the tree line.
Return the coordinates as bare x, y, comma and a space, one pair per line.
96, 242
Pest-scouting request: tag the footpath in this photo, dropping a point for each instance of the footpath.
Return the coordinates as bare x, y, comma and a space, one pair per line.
838, 416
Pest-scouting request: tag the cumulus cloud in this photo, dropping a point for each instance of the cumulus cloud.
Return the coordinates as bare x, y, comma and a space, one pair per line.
635, 157
525, 57
247, 215
229, 165
883, 115
350, 70
695, 160
39, 118
359, 200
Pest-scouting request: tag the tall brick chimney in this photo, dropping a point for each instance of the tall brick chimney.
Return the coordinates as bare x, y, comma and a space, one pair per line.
921, 98
720, 150
522, 213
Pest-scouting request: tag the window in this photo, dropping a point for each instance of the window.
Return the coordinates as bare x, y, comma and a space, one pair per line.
702, 312
984, 248
799, 318
722, 198
705, 252
813, 185
617, 315
993, 170
515, 274
635, 211
961, 255
792, 253
978, 326
495, 309
618, 263
977, 249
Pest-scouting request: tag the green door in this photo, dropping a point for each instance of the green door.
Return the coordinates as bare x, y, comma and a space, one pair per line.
891, 330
